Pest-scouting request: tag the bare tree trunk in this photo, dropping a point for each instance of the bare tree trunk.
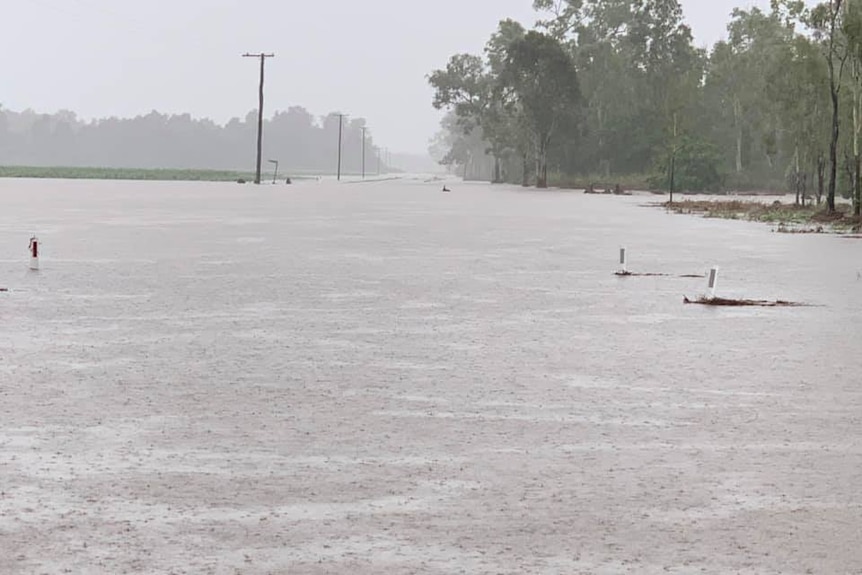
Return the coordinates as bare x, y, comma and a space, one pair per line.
796, 181
604, 162
737, 113
525, 178
542, 164
672, 174
673, 159
538, 168
833, 156
797, 186
835, 78
821, 176
856, 178
857, 185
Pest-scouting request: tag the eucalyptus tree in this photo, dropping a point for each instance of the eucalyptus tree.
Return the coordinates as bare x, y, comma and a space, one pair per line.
738, 71
539, 80
467, 86
798, 86
853, 33
827, 21
640, 73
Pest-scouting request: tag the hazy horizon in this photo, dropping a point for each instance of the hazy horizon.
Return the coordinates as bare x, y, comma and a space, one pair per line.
368, 60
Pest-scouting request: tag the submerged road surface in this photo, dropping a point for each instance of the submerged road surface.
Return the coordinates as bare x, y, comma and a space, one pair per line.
381, 378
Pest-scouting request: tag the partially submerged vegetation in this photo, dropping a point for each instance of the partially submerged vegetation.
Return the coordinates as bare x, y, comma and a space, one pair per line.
600, 183
787, 218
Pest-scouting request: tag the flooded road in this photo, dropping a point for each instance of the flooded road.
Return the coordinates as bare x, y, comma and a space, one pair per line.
381, 378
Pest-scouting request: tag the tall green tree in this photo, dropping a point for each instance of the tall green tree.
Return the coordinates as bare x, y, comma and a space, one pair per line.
738, 72
538, 78
853, 33
826, 19
798, 86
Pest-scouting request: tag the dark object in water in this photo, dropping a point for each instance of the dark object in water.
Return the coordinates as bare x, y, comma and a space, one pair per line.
723, 302
636, 275
240, 181
445, 189
617, 190
3, 290
287, 181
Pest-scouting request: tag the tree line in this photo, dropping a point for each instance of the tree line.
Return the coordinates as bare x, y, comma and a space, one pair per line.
301, 142
601, 89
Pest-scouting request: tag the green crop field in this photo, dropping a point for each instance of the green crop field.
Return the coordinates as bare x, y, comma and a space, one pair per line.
125, 174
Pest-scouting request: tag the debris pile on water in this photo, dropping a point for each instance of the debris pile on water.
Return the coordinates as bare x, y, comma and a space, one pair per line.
626, 274
720, 301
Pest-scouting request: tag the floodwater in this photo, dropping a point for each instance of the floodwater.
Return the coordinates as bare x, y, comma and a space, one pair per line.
382, 378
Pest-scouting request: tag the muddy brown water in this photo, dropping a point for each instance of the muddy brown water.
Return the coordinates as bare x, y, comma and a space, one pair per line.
381, 378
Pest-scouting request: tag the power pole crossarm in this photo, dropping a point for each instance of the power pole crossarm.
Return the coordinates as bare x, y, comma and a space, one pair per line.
263, 58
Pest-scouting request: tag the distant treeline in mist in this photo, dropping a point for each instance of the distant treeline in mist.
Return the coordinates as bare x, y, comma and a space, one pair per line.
300, 142
604, 89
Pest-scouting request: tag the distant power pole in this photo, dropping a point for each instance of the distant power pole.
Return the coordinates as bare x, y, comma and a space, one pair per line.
363, 151
340, 123
377, 151
263, 58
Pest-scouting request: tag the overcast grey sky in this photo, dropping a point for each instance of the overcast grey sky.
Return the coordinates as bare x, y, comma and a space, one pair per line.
368, 58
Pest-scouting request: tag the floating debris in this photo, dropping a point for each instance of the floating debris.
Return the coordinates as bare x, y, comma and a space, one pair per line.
785, 229
627, 274
719, 301
616, 191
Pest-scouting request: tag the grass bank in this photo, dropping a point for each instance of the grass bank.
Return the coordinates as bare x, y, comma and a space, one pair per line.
70, 173
787, 218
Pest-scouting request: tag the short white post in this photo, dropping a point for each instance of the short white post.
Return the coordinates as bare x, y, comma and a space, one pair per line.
34, 253
713, 281
623, 261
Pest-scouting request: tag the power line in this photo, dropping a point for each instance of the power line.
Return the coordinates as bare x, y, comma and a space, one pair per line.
263, 58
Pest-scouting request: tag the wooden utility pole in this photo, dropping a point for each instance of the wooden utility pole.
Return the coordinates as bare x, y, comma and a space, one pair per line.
263, 58
363, 151
340, 123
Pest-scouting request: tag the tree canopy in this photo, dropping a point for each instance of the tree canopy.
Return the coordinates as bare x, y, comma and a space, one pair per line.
602, 89
300, 141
